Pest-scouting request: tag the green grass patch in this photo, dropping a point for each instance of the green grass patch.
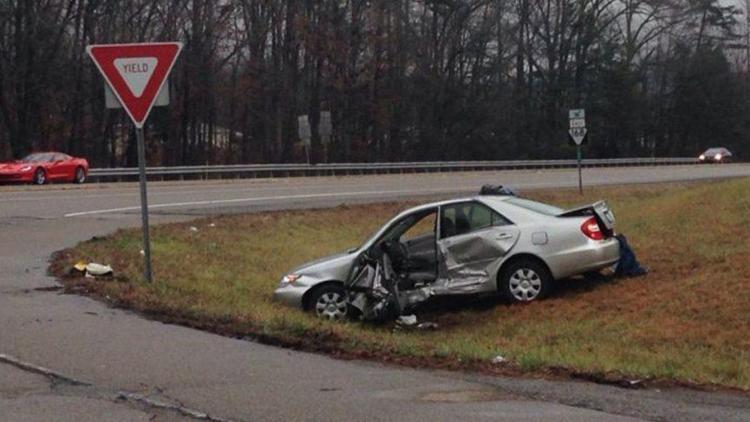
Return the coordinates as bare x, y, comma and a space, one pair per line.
688, 320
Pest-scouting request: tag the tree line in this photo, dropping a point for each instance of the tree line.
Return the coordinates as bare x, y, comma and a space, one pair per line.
404, 80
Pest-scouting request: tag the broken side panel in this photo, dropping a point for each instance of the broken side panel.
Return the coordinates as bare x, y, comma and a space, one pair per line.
468, 259
374, 291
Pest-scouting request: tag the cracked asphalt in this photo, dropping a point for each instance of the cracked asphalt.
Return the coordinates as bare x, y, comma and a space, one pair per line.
65, 357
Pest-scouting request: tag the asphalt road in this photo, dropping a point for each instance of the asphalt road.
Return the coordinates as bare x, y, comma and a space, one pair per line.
109, 364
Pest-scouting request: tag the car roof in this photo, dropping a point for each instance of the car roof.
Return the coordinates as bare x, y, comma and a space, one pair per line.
429, 205
499, 203
492, 201
716, 149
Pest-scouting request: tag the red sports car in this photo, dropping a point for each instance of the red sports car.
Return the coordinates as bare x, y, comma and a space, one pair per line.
42, 167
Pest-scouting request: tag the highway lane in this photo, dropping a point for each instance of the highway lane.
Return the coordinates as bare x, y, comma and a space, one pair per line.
115, 350
220, 196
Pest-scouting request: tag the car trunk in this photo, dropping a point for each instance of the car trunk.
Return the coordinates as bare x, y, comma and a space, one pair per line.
600, 210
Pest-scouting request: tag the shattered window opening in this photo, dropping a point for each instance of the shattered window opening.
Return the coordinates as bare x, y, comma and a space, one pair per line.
421, 228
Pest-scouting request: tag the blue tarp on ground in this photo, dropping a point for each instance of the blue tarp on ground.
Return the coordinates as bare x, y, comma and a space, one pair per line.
628, 265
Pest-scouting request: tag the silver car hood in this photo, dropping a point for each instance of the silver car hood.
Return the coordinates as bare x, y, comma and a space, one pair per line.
333, 267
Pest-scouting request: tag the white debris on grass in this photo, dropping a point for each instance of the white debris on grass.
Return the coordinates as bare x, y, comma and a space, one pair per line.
98, 269
498, 360
407, 320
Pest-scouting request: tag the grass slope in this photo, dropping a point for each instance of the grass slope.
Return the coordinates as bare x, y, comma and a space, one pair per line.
688, 320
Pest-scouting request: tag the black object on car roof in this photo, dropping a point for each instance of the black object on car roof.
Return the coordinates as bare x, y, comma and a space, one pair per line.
497, 190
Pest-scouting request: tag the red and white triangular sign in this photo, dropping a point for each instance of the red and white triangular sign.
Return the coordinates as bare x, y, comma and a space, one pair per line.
135, 72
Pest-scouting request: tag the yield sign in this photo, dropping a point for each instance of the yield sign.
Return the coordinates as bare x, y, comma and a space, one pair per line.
135, 72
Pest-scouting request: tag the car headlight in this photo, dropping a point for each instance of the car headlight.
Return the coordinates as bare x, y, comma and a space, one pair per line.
289, 279
25, 168
701, 157
717, 156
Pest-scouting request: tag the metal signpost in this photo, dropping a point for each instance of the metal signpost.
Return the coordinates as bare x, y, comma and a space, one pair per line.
136, 75
578, 132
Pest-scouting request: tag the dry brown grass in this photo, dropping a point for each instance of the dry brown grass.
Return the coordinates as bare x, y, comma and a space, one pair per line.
688, 320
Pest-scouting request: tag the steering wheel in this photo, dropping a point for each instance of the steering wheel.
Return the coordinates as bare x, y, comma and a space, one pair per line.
398, 252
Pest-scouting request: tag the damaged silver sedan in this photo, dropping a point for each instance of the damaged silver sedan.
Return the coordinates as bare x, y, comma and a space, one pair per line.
492, 243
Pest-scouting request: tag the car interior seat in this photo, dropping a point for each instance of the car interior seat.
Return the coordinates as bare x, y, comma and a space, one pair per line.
462, 222
448, 228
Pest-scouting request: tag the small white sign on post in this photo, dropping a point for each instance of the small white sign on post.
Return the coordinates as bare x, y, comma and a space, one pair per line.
578, 132
577, 129
303, 129
577, 113
325, 128
575, 123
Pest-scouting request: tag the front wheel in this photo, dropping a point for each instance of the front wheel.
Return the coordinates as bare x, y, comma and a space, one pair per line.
80, 175
525, 280
40, 177
329, 302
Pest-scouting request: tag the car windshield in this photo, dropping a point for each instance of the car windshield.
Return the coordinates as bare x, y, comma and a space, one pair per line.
38, 157
535, 206
714, 151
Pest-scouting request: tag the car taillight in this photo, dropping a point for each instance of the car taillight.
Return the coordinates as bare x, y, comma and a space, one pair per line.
591, 229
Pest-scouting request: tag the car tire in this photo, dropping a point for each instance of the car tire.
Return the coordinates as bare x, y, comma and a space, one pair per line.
40, 177
525, 280
329, 302
80, 175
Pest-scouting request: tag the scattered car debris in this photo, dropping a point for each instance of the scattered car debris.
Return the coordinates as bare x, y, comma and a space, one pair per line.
634, 383
212, 225
93, 269
498, 360
193, 229
98, 269
407, 320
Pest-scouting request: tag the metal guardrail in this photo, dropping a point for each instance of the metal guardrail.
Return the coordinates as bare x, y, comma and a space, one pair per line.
335, 169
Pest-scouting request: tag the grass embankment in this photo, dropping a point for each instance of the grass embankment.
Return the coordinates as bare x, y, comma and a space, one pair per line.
688, 320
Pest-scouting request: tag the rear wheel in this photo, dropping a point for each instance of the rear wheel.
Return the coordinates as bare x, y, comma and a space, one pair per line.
80, 175
525, 280
40, 177
329, 302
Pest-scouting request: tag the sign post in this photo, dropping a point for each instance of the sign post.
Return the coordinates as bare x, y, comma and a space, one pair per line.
148, 274
135, 74
578, 132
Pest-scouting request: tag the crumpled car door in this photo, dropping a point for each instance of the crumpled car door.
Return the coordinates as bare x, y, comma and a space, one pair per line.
466, 261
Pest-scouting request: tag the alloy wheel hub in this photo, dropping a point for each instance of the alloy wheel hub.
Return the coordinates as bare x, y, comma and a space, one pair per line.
331, 305
525, 284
